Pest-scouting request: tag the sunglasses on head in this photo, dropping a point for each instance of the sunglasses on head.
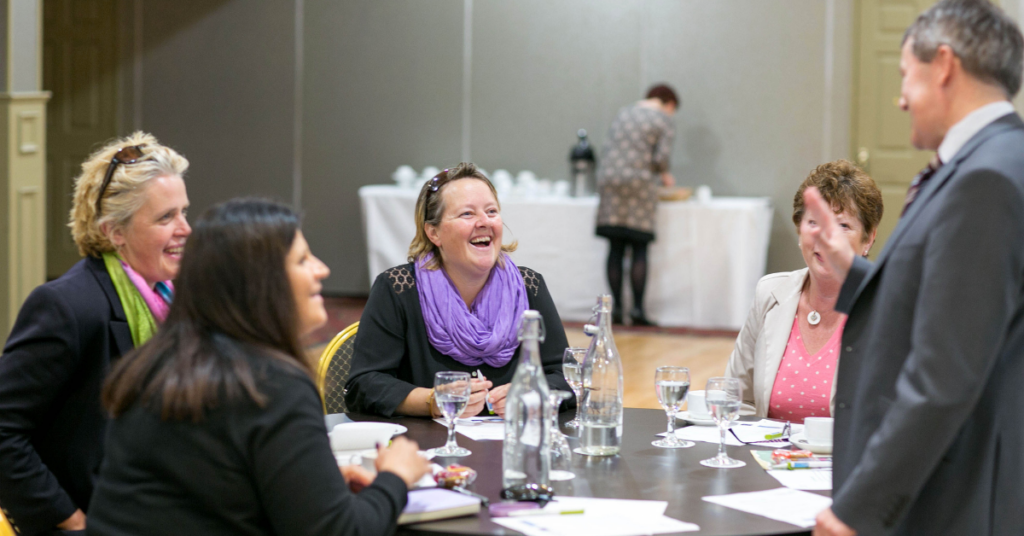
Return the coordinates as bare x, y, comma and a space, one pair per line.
435, 184
127, 155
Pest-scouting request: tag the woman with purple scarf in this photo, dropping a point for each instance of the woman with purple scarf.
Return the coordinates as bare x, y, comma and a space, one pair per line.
455, 306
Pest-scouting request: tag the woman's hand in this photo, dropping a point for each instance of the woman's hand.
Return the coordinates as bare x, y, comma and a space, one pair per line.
356, 477
403, 459
75, 522
498, 397
667, 180
477, 397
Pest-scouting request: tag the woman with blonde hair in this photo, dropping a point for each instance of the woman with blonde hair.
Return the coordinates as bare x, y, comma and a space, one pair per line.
455, 306
128, 220
787, 353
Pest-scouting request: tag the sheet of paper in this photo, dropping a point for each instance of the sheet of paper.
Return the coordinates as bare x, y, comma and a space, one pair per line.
601, 517
805, 479
781, 504
479, 428
706, 434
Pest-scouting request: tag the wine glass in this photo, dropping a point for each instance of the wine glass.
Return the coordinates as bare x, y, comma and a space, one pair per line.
723, 397
572, 368
451, 394
671, 385
561, 453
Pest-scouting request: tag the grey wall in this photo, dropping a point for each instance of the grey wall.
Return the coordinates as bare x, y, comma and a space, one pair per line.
765, 89
765, 96
217, 85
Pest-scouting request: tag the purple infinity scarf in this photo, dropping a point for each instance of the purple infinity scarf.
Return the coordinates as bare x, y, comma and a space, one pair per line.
483, 333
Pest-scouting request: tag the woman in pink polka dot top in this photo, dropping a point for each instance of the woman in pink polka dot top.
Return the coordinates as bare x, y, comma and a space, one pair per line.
787, 353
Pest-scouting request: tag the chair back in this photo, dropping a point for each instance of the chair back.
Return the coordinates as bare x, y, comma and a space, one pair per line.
332, 372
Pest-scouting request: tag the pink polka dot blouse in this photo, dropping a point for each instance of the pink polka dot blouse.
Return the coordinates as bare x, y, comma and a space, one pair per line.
803, 385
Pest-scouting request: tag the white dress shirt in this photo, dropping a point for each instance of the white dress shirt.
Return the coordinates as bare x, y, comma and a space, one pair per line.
971, 124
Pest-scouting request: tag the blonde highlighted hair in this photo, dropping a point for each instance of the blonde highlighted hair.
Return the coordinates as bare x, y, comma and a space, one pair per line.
125, 194
430, 208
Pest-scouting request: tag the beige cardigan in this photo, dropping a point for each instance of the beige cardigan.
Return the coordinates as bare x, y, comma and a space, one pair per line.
762, 341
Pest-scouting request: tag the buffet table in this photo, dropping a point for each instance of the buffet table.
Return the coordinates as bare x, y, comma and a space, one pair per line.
640, 471
703, 267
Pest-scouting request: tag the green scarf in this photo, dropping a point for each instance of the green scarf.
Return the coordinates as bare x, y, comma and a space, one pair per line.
140, 319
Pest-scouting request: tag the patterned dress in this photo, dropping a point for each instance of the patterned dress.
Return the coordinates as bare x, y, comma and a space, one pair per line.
634, 155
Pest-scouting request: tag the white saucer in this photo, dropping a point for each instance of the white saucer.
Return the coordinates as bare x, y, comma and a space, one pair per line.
699, 421
801, 442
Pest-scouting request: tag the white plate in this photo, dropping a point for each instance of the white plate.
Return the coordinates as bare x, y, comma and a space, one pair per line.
801, 442
363, 434
699, 421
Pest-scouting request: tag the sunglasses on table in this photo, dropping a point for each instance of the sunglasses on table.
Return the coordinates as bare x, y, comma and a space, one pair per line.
127, 155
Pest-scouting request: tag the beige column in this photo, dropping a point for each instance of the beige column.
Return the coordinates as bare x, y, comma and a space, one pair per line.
22, 157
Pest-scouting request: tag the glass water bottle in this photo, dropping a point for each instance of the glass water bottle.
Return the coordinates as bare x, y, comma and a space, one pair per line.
526, 457
601, 434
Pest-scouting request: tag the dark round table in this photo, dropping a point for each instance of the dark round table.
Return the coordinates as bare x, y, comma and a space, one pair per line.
640, 471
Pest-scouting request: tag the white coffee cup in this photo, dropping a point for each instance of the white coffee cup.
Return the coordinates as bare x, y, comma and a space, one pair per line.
818, 430
696, 406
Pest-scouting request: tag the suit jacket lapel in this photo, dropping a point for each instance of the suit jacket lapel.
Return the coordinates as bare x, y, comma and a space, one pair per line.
779, 325
122, 337
942, 176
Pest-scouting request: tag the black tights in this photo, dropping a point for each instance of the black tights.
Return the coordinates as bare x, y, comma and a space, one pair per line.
638, 273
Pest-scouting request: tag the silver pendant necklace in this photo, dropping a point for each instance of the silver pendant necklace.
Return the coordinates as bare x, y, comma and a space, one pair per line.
813, 318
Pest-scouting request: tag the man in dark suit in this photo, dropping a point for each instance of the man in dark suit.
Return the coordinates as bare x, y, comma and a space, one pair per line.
929, 406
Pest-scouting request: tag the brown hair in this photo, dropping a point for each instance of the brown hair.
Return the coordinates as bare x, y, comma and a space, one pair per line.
845, 187
430, 208
233, 303
664, 93
126, 193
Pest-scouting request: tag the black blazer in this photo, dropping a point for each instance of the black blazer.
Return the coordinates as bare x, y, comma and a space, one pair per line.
52, 369
929, 409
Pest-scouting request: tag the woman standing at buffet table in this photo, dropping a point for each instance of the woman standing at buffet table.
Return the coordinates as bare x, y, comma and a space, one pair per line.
218, 427
455, 306
787, 353
128, 221
634, 163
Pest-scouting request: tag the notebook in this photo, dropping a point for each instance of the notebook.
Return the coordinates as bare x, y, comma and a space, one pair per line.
437, 503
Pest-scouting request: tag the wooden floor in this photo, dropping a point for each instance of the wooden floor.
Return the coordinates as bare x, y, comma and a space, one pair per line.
705, 356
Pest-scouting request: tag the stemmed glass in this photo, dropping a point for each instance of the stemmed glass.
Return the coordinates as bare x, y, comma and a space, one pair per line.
671, 385
723, 397
451, 393
561, 454
572, 368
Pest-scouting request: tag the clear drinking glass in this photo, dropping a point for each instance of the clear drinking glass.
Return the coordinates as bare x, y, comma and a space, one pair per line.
723, 397
561, 453
671, 385
451, 394
572, 368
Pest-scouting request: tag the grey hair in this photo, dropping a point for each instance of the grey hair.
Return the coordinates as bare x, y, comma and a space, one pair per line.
988, 43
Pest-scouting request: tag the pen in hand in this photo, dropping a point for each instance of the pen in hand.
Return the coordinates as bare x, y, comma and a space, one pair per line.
487, 394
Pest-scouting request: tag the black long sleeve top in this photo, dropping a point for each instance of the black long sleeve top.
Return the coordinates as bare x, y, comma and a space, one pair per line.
393, 356
242, 470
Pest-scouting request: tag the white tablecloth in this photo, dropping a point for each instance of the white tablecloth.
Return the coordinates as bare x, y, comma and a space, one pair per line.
702, 269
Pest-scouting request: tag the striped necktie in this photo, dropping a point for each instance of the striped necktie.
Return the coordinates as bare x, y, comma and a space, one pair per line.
919, 181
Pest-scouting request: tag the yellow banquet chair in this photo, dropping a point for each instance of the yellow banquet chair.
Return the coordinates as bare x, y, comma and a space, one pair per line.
5, 527
332, 372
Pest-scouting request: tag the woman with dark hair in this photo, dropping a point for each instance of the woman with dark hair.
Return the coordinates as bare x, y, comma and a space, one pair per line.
217, 426
634, 163
455, 306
